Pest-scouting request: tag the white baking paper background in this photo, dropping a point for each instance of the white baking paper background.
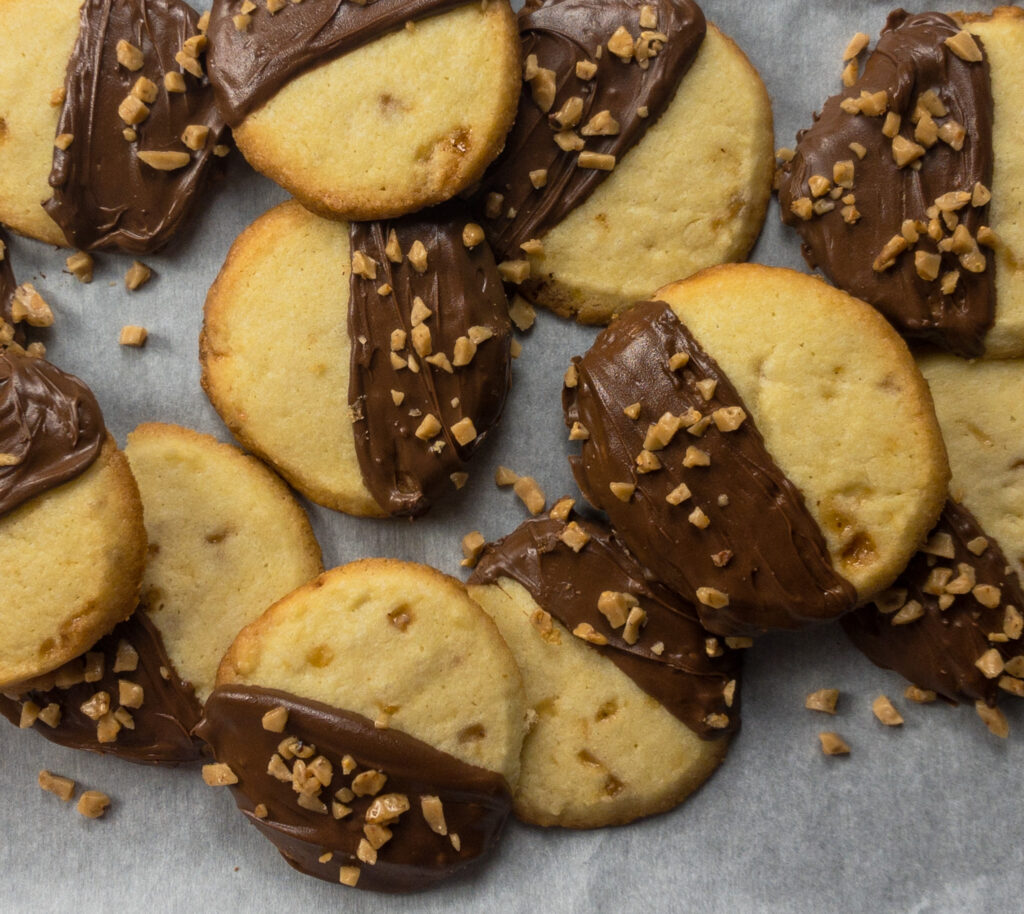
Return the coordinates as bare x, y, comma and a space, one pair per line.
923, 818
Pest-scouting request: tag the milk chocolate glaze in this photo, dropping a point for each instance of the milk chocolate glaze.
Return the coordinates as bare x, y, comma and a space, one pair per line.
461, 289
910, 60
250, 66
939, 649
104, 195
7, 287
475, 801
760, 548
160, 727
567, 584
51, 428
560, 34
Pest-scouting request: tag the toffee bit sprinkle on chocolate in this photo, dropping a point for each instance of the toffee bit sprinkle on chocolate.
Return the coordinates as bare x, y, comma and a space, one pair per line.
597, 160
615, 607
578, 432
623, 491
129, 56
601, 124
464, 431
472, 235
418, 256
586, 632
739, 643
428, 428
363, 265
883, 709
93, 804
713, 597
219, 775
717, 721
678, 361
833, 744
964, 46
699, 519
433, 813
695, 457
275, 720
679, 494
61, 787
990, 663
911, 612
635, 621
562, 509
856, 46
64, 141
824, 700
130, 694
514, 271
349, 875
647, 462
522, 313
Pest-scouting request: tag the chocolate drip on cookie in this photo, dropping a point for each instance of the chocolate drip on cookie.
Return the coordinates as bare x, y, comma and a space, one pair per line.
430, 336
51, 428
136, 135
122, 698
579, 575
889, 189
670, 454
254, 54
345, 801
952, 622
597, 73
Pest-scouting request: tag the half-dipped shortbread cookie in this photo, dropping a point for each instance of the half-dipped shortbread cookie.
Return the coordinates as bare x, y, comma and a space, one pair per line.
226, 539
367, 110
634, 700
905, 189
109, 122
641, 153
371, 724
72, 542
762, 442
365, 361
952, 622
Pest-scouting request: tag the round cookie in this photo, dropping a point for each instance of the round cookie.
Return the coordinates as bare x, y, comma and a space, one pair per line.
611, 238
411, 711
338, 419
634, 701
755, 399
368, 111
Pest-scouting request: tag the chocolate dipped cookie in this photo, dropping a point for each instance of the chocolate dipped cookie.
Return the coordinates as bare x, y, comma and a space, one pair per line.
365, 361
905, 189
367, 111
641, 153
635, 701
110, 128
370, 725
762, 442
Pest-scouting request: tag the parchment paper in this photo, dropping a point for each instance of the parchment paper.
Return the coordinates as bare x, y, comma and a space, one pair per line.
923, 818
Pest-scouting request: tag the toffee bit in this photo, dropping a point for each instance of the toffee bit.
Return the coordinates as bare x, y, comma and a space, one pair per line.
133, 336
596, 160
699, 519
824, 700
472, 235
129, 56
883, 709
586, 69
623, 491
993, 718
562, 509
990, 664
856, 46
574, 536
275, 720
514, 271
174, 82
219, 775
472, 545
61, 787
418, 256
679, 494
571, 376
616, 606
464, 431
636, 620
160, 160
919, 696
80, 265
137, 276
363, 265
539, 177
543, 88
93, 804
503, 476
29, 306
833, 744
522, 313
530, 493
428, 428
586, 632
713, 597
964, 46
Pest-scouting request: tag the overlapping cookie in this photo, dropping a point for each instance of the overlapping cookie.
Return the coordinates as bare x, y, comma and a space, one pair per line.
634, 700
641, 153
953, 621
107, 117
367, 110
906, 188
762, 442
371, 724
226, 539
365, 361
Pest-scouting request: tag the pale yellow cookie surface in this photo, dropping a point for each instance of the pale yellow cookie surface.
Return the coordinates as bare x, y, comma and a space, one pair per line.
275, 353
403, 122
843, 410
37, 37
401, 644
601, 751
72, 560
226, 539
691, 194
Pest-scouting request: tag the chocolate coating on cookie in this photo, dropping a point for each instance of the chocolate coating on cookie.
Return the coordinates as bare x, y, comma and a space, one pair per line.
105, 195
51, 428
688, 484
430, 359
154, 727
7, 287
667, 656
952, 622
249, 66
339, 802
602, 112
851, 206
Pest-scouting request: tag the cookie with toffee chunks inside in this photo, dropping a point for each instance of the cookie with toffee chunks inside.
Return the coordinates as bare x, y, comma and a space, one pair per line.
72, 541
905, 190
364, 361
108, 118
226, 539
372, 721
634, 700
641, 153
762, 442
367, 111
953, 621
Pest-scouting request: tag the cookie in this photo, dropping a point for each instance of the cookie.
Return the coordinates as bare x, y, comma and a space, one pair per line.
226, 539
107, 118
762, 442
373, 721
621, 99
72, 542
906, 187
365, 361
367, 111
634, 701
